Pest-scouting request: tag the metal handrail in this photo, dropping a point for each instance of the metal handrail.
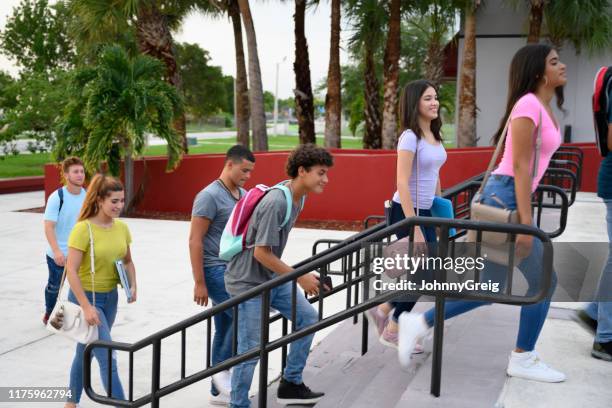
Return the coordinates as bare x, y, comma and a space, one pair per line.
344, 250
327, 257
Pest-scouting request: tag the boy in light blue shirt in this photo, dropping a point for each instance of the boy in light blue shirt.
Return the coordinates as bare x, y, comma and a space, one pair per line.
61, 213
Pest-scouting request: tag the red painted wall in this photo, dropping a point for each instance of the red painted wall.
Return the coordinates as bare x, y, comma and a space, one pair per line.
21, 184
359, 182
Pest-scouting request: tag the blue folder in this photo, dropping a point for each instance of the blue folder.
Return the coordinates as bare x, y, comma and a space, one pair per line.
443, 208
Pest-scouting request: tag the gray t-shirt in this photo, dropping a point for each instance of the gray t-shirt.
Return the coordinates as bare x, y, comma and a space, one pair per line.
216, 203
243, 271
430, 159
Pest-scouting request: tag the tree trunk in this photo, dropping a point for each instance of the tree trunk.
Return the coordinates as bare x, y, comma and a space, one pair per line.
372, 135
258, 115
434, 62
466, 126
128, 173
242, 88
155, 39
536, 13
304, 104
333, 99
391, 77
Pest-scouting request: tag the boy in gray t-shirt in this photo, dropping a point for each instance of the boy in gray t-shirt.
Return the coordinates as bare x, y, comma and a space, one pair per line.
307, 166
211, 210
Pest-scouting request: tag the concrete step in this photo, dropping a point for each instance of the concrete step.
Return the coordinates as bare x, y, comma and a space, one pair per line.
473, 372
348, 379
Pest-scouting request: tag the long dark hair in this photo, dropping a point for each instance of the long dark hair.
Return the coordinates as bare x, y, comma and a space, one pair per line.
526, 71
409, 109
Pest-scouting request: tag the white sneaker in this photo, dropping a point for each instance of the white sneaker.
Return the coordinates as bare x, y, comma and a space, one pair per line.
528, 365
219, 399
412, 327
223, 382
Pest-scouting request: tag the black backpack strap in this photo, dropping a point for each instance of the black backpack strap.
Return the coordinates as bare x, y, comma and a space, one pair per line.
60, 193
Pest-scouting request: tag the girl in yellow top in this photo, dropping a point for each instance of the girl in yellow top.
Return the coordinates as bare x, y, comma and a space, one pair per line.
111, 239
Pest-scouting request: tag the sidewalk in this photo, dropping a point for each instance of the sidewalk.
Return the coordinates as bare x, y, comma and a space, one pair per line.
31, 356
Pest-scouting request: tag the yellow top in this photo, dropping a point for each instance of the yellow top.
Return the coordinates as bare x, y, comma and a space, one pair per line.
110, 244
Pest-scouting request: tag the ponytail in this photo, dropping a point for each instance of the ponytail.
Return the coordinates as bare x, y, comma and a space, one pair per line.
100, 187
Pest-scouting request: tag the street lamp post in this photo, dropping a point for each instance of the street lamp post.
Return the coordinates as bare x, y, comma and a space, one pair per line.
276, 98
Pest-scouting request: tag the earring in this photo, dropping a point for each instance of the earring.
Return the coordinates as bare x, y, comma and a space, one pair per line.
545, 80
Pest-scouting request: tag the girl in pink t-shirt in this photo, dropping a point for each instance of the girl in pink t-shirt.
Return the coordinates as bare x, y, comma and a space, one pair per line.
536, 75
530, 110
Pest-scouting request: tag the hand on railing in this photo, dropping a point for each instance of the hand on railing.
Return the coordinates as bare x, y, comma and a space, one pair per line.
310, 284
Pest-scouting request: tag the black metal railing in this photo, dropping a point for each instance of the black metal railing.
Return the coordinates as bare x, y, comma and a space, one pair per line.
354, 255
361, 246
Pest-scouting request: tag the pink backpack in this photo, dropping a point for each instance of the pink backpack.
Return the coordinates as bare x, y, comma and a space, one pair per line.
233, 239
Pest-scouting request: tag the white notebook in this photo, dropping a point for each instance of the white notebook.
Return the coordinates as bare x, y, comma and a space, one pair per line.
123, 276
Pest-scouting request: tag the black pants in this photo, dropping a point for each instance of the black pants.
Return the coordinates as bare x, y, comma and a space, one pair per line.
397, 215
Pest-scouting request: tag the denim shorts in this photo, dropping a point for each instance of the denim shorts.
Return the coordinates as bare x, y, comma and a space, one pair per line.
499, 192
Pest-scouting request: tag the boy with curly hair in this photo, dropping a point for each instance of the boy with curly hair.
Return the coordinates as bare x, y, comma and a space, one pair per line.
307, 167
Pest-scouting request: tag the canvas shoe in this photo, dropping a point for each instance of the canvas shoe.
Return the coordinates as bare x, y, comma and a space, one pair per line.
222, 382
412, 328
389, 339
377, 319
219, 399
602, 351
528, 365
290, 393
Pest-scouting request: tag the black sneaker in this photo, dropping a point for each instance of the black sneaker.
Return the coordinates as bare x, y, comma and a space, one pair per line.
290, 393
603, 351
582, 318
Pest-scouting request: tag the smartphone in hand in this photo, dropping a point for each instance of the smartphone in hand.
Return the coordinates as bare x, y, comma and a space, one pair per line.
327, 281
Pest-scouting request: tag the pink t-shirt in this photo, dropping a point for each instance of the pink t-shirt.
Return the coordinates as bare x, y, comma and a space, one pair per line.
529, 106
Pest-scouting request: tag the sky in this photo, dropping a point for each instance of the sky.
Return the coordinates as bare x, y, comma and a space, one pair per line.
274, 29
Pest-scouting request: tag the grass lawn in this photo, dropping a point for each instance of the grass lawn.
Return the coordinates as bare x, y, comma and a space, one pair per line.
274, 143
24, 165
197, 128
32, 164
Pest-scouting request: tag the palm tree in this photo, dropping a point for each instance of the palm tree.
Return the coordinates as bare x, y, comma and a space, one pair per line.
586, 24
368, 16
114, 105
258, 116
333, 99
153, 22
304, 99
391, 76
241, 87
536, 15
466, 126
436, 20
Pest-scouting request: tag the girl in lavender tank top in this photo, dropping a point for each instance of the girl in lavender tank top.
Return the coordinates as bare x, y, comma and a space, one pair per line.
420, 144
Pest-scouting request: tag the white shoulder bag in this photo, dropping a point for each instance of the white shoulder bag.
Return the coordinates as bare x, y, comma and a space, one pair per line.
67, 318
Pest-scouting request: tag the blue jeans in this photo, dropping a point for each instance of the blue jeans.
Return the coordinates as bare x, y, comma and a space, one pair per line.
53, 284
532, 316
249, 313
222, 339
106, 304
429, 233
602, 311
